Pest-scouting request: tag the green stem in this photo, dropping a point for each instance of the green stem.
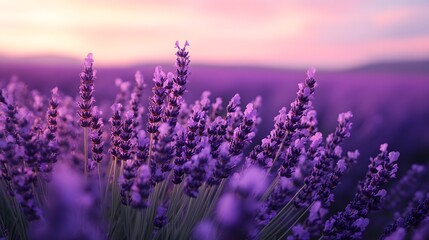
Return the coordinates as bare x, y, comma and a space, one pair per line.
284, 234
150, 149
278, 216
279, 150
113, 190
99, 182
270, 188
85, 151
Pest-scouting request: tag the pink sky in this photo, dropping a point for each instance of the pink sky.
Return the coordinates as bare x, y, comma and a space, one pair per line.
329, 33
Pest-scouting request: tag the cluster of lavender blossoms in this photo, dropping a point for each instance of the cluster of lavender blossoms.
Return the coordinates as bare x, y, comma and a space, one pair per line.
188, 170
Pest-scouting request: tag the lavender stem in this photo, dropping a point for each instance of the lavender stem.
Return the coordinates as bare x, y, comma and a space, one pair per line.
85, 150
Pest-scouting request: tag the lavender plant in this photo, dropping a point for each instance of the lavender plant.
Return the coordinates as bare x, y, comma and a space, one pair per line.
194, 172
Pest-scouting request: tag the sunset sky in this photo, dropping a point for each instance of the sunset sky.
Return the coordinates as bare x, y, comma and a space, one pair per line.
331, 34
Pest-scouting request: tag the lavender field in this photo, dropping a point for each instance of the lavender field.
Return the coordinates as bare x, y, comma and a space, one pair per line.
191, 151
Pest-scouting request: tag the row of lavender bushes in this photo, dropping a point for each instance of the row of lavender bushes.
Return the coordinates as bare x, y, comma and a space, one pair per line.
180, 170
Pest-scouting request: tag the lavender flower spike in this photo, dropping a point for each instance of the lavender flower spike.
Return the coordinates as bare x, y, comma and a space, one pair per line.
263, 155
52, 114
175, 85
197, 172
324, 164
161, 218
50, 150
156, 108
301, 104
142, 152
86, 88
126, 181
182, 64
97, 136
115, 139
233, 115
406, 187
294, 151
236, 209
23, 180
411, 221
141, 188
163, 153
127, 131
244, 133
180, 157
351, 223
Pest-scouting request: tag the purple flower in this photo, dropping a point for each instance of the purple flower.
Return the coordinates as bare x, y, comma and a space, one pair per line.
263, 155
142, 152
281, 195
194, 133
323, 172
405, 188
174, 100
126, 145
244, 133
313, 225
347, 224
216, 132
49, 150
115, 138
182, 71
86, 88
299, 232
156, 108
287, 128
197, 173
163, 152
23, 179
161, 217
205, 230
233, 115
253, 182
126, 181
31, 144
52, 114
227, 211
237, 208
97, 136
180, 156
311, 72
294, 151
325, 192
141, 188
316, 140
410, 221
88, 61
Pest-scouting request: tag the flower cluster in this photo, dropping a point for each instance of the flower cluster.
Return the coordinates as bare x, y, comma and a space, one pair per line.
351, 222
188, 170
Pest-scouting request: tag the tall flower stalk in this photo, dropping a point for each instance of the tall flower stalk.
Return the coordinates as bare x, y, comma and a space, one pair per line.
86, 90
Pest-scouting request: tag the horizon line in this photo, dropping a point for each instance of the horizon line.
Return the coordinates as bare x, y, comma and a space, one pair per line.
64, 60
